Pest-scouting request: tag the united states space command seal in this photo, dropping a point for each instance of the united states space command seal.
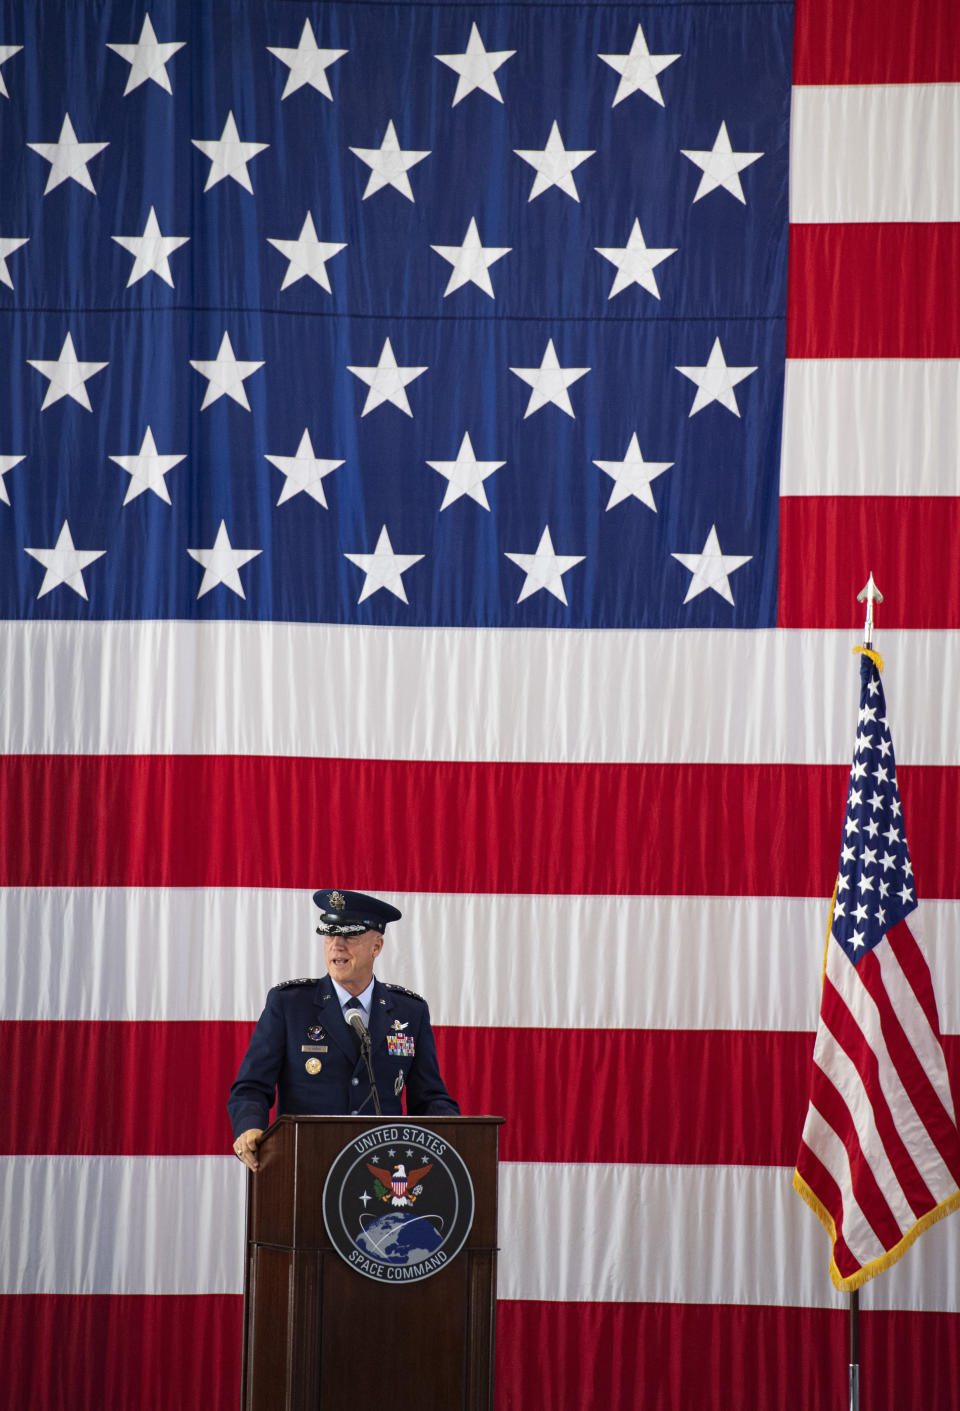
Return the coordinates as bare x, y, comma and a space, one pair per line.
398, 1203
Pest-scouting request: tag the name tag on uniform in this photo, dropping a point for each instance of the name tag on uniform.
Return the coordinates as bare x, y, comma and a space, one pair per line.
400, 1043
313, 1048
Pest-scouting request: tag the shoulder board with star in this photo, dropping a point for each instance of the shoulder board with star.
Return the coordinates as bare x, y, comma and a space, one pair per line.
286, 984
399, 990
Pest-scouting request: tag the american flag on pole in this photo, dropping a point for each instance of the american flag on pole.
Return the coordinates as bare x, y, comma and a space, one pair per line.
880, 1155
418, 472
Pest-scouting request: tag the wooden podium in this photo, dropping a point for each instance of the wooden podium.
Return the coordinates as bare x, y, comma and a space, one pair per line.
317, 1334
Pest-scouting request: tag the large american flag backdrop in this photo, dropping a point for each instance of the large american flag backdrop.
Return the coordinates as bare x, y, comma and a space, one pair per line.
423, 470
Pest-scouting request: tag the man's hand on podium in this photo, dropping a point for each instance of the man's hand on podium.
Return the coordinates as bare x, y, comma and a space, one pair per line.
246, 1145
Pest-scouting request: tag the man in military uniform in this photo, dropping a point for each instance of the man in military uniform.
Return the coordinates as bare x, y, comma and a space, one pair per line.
304, 1051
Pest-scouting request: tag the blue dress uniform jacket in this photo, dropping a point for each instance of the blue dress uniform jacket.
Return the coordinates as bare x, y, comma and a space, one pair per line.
302, 1023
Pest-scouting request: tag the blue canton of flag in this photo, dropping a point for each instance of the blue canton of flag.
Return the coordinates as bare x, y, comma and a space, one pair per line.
875, 882
394, 314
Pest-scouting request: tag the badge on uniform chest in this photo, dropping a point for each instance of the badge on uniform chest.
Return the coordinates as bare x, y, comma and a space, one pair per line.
400, 1044
313, 1065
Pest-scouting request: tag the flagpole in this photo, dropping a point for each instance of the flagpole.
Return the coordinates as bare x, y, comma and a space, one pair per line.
869, 594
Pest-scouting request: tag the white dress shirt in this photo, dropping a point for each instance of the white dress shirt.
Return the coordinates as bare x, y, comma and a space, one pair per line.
366, 999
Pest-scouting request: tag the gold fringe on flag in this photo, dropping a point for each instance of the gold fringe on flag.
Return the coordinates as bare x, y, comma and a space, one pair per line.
875, 657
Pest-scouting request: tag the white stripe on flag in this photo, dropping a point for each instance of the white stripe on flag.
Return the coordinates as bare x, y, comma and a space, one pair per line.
909, 1011
871, 426
912, 1131
639, 1234
875, 152
605, 1233
823, 1141
842, 1072
685, 962
120, 1224
253, 688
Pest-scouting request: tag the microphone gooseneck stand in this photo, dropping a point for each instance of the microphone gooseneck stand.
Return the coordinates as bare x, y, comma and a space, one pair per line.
355, 1020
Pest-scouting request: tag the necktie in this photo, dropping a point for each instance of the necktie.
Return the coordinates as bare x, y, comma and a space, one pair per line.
353, 1003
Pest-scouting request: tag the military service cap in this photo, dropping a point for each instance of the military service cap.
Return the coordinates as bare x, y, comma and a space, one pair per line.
352, 913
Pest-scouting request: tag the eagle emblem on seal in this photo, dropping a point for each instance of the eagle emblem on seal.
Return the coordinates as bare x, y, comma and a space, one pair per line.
398, 1187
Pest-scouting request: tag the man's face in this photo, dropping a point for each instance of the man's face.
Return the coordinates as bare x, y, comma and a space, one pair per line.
350, 959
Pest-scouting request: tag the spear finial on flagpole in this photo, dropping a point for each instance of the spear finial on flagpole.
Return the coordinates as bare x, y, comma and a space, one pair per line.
870, 594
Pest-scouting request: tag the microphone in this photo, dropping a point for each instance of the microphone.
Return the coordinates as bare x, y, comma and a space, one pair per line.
355, 1020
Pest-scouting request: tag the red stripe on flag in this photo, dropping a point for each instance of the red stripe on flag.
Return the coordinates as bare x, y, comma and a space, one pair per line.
452, 827
851, 41
913, 963
820, 1181
874, 290
90, 1352
177, 1352
708, 830
847, 536
848, 1034
663, 1357
105, 1068
864, 1187
707, 1096
228, 821
911, 1072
